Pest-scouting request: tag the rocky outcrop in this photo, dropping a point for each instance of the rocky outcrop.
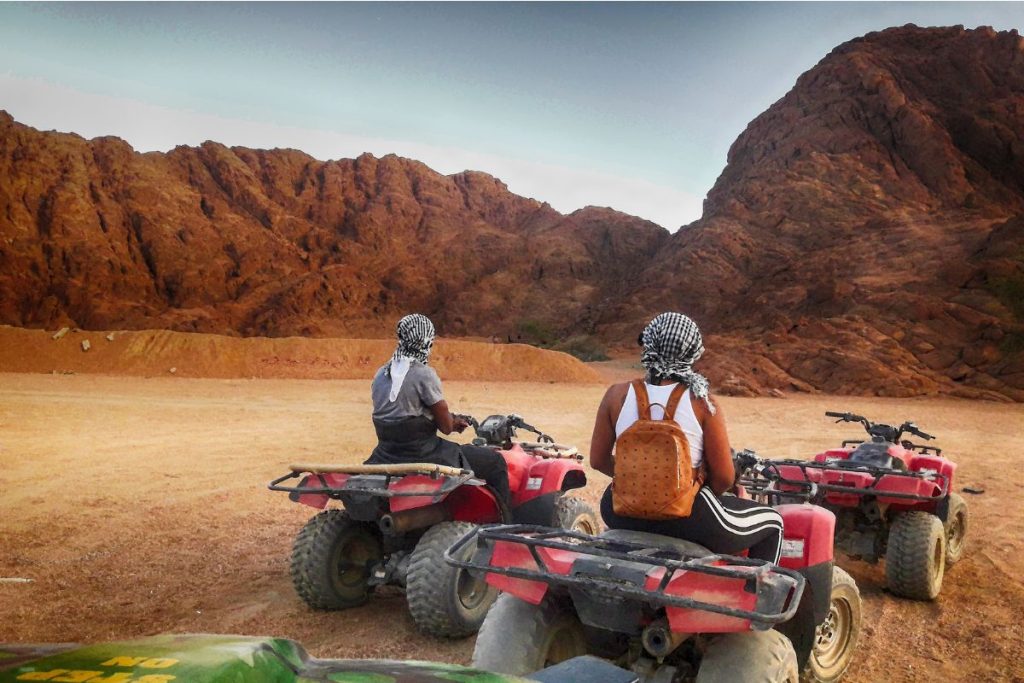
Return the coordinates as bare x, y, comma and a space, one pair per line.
865, 234
254, 242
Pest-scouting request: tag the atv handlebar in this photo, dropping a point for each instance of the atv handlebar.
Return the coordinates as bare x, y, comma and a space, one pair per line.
878, 430
501, 433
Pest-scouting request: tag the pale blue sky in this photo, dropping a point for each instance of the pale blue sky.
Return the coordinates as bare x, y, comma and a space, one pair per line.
628, 105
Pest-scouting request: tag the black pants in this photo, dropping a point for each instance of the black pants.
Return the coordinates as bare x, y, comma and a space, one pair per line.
724, 525
489, 466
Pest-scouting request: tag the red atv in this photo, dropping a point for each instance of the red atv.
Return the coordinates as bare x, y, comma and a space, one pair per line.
892, 498
667, 609
400, 519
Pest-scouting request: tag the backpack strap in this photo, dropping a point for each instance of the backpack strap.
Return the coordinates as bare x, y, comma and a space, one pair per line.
643, 402
673, 401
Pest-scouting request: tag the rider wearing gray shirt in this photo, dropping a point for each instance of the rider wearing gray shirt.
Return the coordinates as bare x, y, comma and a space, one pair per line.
420, 390
409, 409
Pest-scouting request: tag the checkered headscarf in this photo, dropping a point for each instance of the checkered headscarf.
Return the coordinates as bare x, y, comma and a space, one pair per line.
672, 344
415, 337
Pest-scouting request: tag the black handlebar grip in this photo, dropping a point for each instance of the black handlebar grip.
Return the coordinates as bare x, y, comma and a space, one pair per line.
830, 413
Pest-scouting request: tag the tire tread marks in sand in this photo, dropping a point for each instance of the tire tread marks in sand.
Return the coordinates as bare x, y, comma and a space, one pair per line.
432, 587
913, 565
313, 555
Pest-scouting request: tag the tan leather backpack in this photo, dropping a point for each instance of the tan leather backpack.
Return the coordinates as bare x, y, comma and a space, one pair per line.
654, 476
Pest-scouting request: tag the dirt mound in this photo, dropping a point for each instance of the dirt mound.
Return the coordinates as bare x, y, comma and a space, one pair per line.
161, 352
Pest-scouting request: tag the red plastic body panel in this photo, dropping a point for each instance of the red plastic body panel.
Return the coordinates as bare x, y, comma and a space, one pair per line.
832, 454
923, 463
474, 504
890, 482
319, 500
415, 483
530, 476
518, 555
716, 590
518, 462
808, 530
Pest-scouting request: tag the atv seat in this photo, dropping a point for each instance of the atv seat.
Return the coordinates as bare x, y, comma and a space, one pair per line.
688, 548
873, 454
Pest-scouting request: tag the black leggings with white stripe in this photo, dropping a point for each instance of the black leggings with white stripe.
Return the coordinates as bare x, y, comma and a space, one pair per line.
726, 525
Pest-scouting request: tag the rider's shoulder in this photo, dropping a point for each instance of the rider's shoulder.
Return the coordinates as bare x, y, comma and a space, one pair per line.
617, 391
425, 370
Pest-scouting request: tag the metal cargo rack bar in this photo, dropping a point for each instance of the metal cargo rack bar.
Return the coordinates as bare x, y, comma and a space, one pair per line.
877, 472
640, 553
453, 476
924, 450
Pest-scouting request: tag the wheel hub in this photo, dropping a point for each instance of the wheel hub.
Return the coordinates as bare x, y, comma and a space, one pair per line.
832, 637
826, 636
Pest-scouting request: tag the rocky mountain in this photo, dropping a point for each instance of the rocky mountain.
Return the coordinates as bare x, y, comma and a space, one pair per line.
274, 243
866, 235
867, 232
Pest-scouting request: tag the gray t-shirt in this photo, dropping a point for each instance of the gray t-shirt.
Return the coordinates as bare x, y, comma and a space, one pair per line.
420, 390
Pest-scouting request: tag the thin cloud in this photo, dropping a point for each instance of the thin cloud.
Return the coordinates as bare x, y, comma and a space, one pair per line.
149, 127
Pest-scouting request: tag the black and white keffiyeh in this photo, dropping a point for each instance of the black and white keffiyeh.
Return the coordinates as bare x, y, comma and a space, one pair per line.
672, 343
415, 340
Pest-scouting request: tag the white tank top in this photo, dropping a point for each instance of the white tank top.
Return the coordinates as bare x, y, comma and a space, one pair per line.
684, 416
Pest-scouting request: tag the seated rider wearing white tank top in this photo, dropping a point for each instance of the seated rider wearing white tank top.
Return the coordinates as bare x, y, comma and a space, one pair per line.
672, 343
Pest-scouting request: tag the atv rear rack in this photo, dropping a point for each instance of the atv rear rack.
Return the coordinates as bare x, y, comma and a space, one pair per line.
453, 476
675, 562
815, 489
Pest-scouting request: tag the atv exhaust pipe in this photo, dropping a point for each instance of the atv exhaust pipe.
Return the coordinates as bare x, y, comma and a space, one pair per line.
401, 522
660, 640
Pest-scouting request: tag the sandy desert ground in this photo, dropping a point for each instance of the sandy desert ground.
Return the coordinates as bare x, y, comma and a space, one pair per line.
138, 506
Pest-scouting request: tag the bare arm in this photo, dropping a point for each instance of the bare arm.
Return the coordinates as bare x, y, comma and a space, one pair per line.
603, 439
443, 417
717, 454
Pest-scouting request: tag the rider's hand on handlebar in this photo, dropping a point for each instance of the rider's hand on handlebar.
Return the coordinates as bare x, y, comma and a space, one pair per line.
459, 425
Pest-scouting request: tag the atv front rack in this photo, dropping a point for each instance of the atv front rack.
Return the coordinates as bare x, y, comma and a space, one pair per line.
674, 561
909, 445
453, 478
813, 490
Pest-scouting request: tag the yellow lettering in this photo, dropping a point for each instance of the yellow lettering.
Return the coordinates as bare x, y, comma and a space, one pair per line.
41, 675
156, 678
157, 663
77, 676
119, 677
123, 661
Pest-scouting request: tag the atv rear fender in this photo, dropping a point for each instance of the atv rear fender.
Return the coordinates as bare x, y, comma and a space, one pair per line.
549, 476
808, 535
530, 476
934, 463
